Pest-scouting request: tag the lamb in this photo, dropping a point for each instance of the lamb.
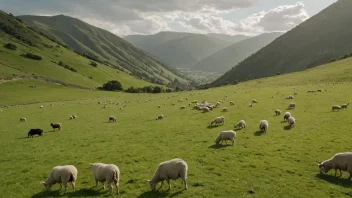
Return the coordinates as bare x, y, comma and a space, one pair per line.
112, 118
56, 126
218, 120
336, 107
340, 161
61, 174
263, 125
23, 119
292, 105
33, 132
226, 135
287, 115
106, 172
344, 106
241, 124
291, 120
160, 117
225, 109
254, 101
172, 169
232, 103
277, 112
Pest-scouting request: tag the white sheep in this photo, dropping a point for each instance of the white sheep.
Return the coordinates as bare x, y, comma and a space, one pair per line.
106, 172
105, 107
292, 105
344, 106
218, 120
254, 101
232, 103
61, 174
336, 107
226, 135
205, 109
290, 97
172, 169
287, 115
225, 109
159, 117
251, 105
182, 107
291, 120
41, 106
340, 161
23, 119
74, 116
241, 124
263, 125
159, 106
112, 118
71, 118
277, 112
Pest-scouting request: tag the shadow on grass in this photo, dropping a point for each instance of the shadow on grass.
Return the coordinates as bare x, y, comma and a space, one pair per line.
283, 121
288, 127
89, 193
45, 193
152, 194
212, 126
259, 133
335, 180
219, 146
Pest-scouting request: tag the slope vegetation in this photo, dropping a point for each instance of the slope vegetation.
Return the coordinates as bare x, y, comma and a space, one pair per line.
316, 41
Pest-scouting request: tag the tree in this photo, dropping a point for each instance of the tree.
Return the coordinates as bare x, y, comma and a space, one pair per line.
113, 85
157, 89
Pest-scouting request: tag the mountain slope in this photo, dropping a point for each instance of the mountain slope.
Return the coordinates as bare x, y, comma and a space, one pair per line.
228, 38
103, 45
230, 56
322, 37
78, 71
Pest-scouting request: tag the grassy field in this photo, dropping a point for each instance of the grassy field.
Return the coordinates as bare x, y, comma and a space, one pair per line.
280, 163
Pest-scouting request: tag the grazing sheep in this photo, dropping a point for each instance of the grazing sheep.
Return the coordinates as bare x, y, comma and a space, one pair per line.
74, 116
189, 104
263, 125
292, 105
61, 174
23, 119
291, 120
205, 109
250, 105
105, 107
159, 106
112, 118
254, 101
232, 103
290, 97
287, 115
336, 107
344, 106
225, 109
226, 135
277, 112
99, 103
340, 161
160, 117
172, 169
241, 124
71, 117
218, 120
56, 126
33, 132
41, 106
182, 107
106, 172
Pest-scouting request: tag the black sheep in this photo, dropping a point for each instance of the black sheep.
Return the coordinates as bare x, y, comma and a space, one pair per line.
33, 132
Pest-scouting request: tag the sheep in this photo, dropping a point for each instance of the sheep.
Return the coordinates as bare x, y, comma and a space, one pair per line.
33, 132
218, 120
225, 109
287, 115
189, 104
291, 120
61, 174
105, 107
344, 106
182, 107
159, 117
205, 109
106, 172
159, 106
241, 124
74, 116
290, 97
23, 119
295, 94
41, 106
232, 103
264, 125
226, 135
71, 117
340, 161
56, 126
277, 112
292, 105
254, 101
251, 105
112, 118
336, 107
172, 169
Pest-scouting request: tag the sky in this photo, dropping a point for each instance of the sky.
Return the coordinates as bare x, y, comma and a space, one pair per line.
126, 17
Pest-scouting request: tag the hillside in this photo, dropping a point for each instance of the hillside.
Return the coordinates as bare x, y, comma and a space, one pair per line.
105, 46
321, 38
230, 39
78, 71
225, 59
181, 50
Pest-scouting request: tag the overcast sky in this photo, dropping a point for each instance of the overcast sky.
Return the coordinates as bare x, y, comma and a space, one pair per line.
125, 17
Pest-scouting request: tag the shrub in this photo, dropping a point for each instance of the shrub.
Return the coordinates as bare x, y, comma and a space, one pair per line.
10, 46
32, 56
112, 85
332, 60
94, 64
157, 89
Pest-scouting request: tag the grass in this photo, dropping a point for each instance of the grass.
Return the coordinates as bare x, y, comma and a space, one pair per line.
280, 163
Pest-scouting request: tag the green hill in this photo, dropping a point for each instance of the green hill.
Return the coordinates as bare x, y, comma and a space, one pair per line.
225, 59
230, 39
321, 38
105, 46
78, 71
